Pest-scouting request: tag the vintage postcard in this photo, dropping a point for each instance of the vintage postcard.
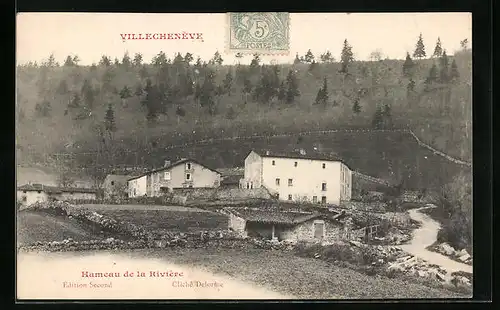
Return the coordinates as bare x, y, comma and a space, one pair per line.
244, 156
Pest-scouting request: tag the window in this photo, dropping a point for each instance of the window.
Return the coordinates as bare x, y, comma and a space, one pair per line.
190, 185
39, 192
274, 163
319, 229
251, 185
278, 181
166, 175
188, 166
289, 197
24, 192
277, 196
315, 199
295, 164
188, 176
112, 183
323, 199
290, 182
323, 186
324, 166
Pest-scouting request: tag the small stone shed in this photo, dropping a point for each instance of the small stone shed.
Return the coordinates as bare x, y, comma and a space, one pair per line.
285, 225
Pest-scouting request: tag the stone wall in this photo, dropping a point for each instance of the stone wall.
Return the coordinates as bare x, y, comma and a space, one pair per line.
364, 206
221, 193
305, 232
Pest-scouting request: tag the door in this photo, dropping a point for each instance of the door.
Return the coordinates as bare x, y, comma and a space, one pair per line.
319, 230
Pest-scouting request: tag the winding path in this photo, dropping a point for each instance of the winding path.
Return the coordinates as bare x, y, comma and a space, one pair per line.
427, 235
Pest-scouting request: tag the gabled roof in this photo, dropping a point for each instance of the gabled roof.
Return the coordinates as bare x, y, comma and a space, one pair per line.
274, 217
179, 162
55, 189
297, 154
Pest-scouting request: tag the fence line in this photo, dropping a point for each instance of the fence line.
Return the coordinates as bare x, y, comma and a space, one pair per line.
302, 133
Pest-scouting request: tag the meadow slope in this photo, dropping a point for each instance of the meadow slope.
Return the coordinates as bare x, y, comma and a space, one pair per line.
440, 116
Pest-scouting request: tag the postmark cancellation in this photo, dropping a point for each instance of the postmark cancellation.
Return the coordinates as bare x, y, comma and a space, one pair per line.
259, 32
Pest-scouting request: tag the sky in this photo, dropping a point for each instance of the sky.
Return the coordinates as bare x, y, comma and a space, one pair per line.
91, 35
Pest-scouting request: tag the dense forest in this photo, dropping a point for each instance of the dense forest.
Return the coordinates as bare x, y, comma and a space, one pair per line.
130, 105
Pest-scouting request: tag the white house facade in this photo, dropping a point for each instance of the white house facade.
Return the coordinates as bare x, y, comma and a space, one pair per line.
186, 173
299, 178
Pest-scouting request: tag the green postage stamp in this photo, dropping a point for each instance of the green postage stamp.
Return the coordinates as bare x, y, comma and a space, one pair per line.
254, 32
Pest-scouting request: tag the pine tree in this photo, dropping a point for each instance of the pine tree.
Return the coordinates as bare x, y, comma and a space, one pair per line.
228, 83
297, 59
63, 88
322, 96
410, 92
188, 58
282, 92
443, 70
117, 62
69, 62
293, 87
109, 119
378, 118
217, 59
432, 77
408, 66
387, 116
255, 61
327, 57
126, 62
105, 61
438, 50
208, 91
76, 60
309, 57
454, 74
419, 48
356, 108
346, 57
125, 92
88, 94
137, 59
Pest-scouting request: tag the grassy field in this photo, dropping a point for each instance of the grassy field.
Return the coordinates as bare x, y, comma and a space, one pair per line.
302, 277
164, 218
34, 226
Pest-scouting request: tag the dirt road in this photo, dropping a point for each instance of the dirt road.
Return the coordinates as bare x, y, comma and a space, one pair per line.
425, 236
59, 276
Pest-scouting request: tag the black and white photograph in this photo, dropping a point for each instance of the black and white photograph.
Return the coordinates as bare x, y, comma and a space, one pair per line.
244, 156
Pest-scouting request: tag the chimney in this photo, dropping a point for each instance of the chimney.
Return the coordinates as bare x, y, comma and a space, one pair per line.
302, 152
167, 163
267, 153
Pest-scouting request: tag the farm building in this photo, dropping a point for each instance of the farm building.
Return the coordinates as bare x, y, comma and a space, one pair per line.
285, 225
30, 193
297, 176
185, 173
230, 177
115, 186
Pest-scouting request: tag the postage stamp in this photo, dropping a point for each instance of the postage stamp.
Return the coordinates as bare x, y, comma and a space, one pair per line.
259, 32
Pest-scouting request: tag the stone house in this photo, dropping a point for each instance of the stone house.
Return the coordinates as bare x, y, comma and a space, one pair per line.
299, 176
115, 186
30, 193
185, 173
285, 225
231, 177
